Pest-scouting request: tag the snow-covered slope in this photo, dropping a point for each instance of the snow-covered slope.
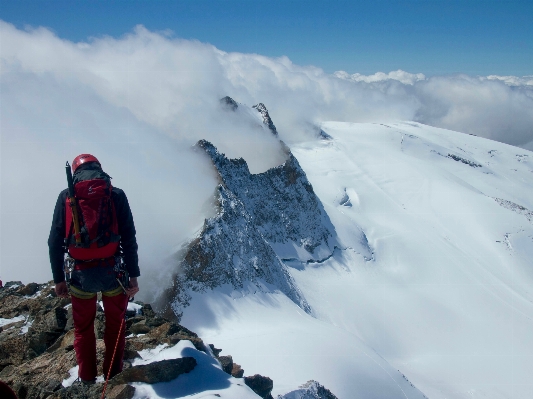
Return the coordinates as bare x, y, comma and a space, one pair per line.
446, 298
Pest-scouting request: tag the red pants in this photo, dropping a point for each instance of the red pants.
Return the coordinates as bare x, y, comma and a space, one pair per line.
84, 312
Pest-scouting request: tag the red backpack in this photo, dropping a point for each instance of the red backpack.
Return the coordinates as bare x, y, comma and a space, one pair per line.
98, 221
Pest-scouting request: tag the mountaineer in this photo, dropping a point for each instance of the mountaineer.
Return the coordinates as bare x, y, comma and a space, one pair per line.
93, 249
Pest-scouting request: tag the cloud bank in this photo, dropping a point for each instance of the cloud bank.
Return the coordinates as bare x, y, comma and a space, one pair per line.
141, 101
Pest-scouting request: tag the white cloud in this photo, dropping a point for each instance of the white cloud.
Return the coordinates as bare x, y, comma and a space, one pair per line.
487, 108
399, 75
141, 101
513, 80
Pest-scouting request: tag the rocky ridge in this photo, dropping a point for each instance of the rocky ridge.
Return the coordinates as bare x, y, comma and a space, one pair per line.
37, 352
266, 118
231, 251
261, 221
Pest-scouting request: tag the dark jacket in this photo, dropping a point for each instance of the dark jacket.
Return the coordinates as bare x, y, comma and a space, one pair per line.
126, 230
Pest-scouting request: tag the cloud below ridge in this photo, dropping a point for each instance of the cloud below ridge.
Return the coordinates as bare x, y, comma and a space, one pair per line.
141, 101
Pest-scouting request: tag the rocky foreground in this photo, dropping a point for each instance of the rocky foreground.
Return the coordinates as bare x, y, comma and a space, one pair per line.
37, 352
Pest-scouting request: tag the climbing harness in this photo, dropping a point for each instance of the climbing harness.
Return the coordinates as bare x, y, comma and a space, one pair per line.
68, 266
121, 273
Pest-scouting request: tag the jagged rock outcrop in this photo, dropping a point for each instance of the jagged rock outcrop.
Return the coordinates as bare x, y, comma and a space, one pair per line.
309, 390
266, 118
36, 344
261, 220
229, 103
41, 376
227, 364
281, 201
37, 324
230, 250
260, 385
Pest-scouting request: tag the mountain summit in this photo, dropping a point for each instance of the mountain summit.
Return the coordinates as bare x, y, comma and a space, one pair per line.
261, 220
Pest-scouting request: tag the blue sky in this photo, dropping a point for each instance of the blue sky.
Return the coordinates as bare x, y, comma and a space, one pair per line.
433, 37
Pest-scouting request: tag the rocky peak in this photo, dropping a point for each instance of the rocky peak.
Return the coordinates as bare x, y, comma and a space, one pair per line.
310, 390
229, 103
266, 118
281, 201
261, 221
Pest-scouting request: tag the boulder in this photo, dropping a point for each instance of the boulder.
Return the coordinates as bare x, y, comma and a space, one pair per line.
122, 391
237, 371
147, 310
162, 371
140, 328
215, 351
29, 289
45, 330
227, 363
155, 321
260, 385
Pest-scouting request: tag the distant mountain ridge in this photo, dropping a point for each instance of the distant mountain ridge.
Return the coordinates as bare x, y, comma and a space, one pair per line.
261, 220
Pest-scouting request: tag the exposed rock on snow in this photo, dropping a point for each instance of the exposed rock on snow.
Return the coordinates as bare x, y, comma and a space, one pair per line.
161, 371
266, 118
463, 160
165, 352
229, 103
35, 364
260, 385
230, 250
324, 136
309, 390
281, 201
227, 363
345, 200
261, 219
515, 208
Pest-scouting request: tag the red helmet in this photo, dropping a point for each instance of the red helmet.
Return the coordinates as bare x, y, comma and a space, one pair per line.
83, 158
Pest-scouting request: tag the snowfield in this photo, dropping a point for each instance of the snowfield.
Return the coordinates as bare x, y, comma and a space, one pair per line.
443, 305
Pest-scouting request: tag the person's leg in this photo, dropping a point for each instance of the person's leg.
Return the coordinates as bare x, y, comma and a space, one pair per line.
115, 310
83, 313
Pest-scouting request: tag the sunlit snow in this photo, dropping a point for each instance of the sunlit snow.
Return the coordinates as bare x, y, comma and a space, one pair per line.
446, 301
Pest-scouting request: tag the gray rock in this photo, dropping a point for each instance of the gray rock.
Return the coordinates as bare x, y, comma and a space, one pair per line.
140, 328
162, 371
237, 371
122, 391
260, 385
215, 351
147, 310
29, 289
227, 363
